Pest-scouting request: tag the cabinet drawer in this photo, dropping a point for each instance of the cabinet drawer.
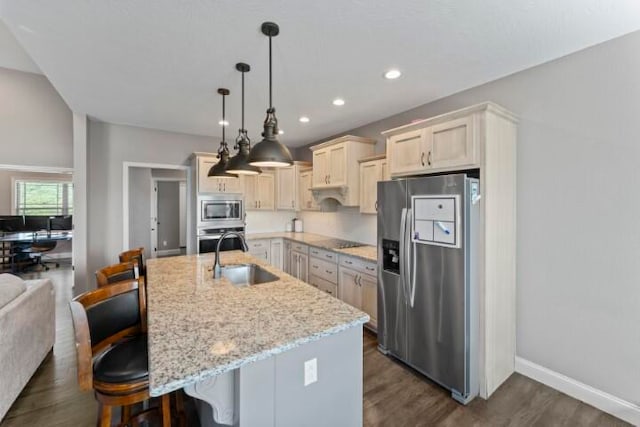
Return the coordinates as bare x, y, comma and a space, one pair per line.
299, 247
323, 254
359, 265
324, 269
258, 245
323, 285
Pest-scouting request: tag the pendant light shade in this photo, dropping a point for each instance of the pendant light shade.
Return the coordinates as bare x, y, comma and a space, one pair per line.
239, 164
220, 169
270, 152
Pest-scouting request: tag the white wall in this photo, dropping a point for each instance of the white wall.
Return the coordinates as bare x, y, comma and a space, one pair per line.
109, 146
140, 209
35, 123
578, 245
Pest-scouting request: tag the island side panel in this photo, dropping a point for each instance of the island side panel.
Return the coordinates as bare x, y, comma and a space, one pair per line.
334, 399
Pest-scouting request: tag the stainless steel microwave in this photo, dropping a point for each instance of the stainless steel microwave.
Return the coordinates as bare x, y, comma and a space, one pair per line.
222, 209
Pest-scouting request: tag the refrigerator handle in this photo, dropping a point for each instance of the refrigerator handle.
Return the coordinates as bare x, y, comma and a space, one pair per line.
411, 255
403, 254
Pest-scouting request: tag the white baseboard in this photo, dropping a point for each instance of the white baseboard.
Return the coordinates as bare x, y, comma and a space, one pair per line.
169, 252
606, 402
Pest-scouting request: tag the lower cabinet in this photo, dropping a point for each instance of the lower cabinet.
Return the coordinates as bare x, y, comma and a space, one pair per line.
299, 261
260, 249
276, 253
324, 285
357, 286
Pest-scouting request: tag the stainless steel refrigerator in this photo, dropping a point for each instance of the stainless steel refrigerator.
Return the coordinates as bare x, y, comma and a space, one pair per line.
427, 290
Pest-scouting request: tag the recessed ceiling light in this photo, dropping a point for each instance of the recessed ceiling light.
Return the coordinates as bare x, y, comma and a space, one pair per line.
338, 101
392, 74
223, 123
304, 119
280, 131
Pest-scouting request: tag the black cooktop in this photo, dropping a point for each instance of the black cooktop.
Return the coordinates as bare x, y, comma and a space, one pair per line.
337, 244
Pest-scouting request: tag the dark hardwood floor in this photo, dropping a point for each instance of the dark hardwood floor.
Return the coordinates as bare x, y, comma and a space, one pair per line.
394, 395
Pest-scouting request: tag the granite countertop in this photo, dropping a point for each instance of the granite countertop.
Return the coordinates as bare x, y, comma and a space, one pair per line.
366, 252
200, 327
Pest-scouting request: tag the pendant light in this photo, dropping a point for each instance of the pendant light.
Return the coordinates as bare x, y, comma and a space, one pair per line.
219, 169
239, 164
270, 152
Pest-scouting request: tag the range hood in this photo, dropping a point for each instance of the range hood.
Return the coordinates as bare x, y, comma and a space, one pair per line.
328, 198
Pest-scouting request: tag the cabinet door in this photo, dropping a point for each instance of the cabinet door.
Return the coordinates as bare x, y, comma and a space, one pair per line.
207, 184
407, 152
286, 188
385, 170
250, 196
276, 253
337, 164
369, 297
370, 174
286, 257
348, 289
265, 191
260, 249
307, 202
303, 267
232, 185
320, 170
451, 144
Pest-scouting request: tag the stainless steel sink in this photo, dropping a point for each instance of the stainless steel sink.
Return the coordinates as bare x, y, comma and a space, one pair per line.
247, 274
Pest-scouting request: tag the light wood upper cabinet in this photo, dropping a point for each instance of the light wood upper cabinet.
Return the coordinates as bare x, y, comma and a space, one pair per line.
259, 191
407, 152
320, 168
286, 188
336, 174
451, 144
210, 184
288, 194
306, 200
337, 165
371, 172
434, 145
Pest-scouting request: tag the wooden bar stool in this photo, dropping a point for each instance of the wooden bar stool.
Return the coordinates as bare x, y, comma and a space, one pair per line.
135, 255
111, 346
117, 273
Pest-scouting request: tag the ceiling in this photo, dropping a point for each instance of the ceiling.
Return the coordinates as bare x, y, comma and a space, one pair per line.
158, 63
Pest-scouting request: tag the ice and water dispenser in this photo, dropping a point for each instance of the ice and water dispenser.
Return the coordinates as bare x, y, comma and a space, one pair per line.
391, 256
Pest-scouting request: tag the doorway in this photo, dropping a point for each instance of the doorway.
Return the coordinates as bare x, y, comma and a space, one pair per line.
168, 216
155, 214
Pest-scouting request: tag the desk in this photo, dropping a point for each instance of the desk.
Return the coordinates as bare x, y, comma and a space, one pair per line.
18, 238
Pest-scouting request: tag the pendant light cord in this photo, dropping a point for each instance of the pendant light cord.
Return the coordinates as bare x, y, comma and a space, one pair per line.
223, 117
270, 77
243, 101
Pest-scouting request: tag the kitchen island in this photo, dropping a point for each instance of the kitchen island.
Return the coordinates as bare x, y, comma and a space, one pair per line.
278, 353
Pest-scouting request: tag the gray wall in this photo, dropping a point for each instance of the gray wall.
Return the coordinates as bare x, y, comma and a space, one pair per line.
140, 209
6, 184
35, 123
168, 215
109, 146
578, 231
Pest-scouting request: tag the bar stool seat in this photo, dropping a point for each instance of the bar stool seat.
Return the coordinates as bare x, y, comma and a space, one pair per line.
126, 361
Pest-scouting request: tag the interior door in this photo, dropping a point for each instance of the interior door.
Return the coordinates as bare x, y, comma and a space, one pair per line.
392, 314
436, 310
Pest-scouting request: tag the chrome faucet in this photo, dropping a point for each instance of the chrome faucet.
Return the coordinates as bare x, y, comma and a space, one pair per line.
217, 268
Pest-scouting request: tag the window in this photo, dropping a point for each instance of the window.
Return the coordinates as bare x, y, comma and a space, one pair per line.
43, 197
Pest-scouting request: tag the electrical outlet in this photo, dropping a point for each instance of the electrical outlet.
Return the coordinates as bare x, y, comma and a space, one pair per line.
164, 243
310, 371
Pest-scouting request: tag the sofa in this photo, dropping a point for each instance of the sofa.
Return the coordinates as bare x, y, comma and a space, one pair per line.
27, 332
